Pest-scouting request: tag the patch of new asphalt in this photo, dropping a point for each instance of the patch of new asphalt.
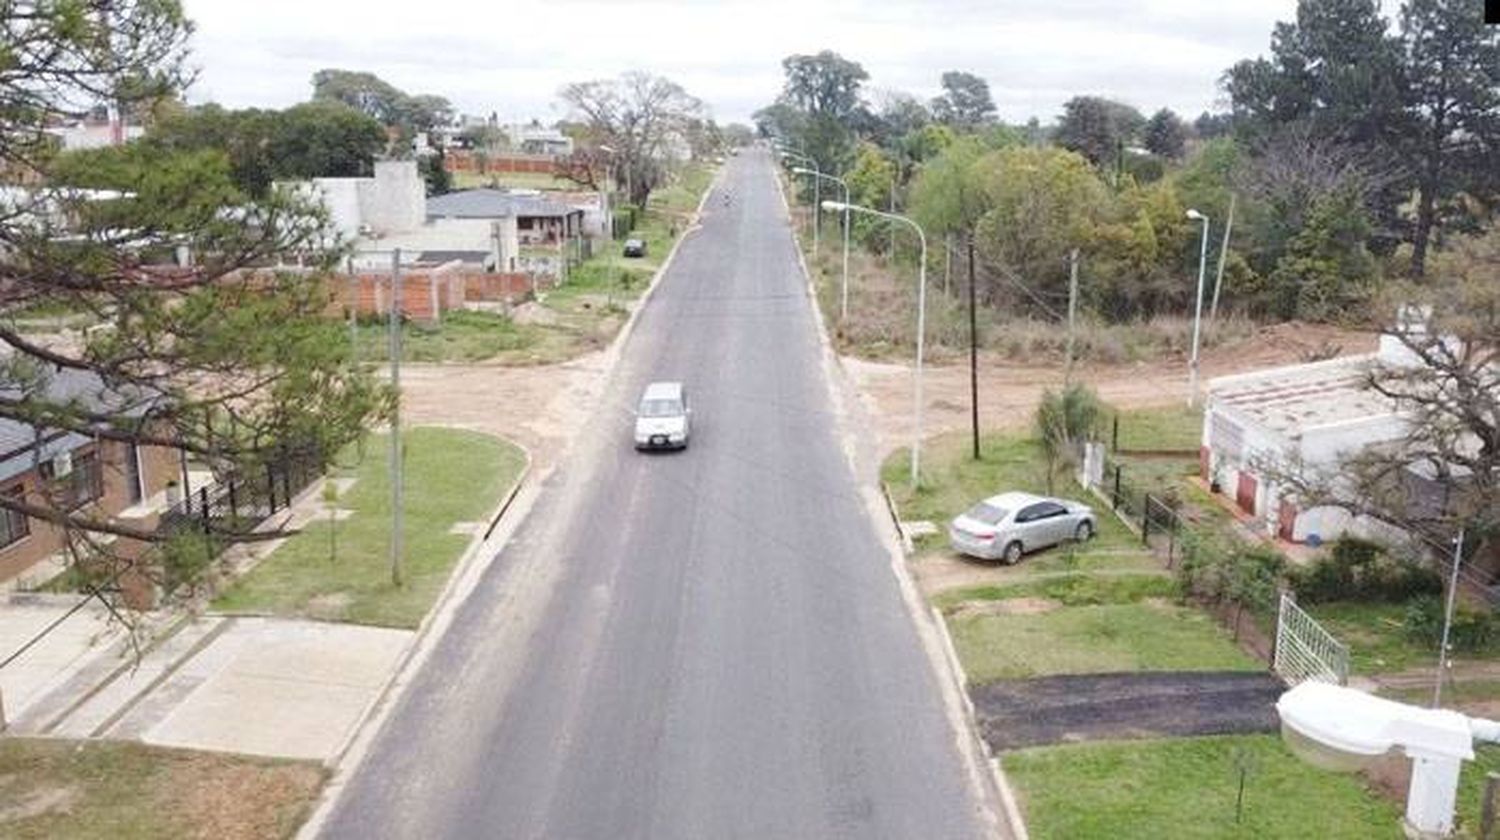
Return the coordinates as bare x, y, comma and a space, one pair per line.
1090, 707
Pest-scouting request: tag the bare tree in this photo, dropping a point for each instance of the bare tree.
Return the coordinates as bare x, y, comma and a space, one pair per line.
1443, 472
644, 119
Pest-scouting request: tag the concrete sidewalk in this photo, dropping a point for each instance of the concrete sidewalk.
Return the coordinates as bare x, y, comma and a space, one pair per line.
57, 656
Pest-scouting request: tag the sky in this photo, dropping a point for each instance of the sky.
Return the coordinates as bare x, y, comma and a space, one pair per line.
511, 57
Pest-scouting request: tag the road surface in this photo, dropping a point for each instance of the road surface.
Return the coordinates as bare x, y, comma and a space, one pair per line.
705, 644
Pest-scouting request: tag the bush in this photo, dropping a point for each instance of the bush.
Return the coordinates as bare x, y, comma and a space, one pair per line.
1360, 570
1473, 628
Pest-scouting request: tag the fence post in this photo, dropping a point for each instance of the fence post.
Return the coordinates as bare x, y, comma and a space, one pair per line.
1487, 806
1146, 519
286, 482
1115, 499
1114, 437
271, 486
234, 505
203, 507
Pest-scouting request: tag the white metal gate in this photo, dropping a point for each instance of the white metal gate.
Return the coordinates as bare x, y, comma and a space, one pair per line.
1304, 650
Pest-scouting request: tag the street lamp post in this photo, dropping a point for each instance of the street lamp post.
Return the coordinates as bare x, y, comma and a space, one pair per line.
844, 288
1198, 309
916, 444
817, 192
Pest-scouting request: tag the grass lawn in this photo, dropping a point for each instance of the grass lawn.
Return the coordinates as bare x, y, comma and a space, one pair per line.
1159, 429
451, 476
1187, 787
461, 336
102, 789
1374, 634
1148, 636
1071, 590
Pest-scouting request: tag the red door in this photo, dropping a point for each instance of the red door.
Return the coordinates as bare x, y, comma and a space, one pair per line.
1286, 520
1245, 493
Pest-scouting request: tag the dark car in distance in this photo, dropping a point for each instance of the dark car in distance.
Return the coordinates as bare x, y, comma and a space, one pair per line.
635, 248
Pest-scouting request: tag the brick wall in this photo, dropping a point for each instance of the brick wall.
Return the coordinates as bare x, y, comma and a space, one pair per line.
497, 287
426, 292
460, 160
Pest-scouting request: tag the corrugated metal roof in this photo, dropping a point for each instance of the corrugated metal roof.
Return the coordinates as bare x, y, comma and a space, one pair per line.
83, 388
486, 203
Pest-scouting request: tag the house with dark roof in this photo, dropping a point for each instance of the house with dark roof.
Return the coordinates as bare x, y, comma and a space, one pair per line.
44, 467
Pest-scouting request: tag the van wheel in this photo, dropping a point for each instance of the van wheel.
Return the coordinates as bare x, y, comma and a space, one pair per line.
1085, 532
1012, 554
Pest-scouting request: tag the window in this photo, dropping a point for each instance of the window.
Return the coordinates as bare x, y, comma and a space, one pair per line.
14, 526
1029, 513
1049, 510
82, 485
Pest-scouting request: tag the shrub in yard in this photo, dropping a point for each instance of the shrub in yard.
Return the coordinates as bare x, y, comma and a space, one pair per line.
1474, 628
1360, 570
1063, 421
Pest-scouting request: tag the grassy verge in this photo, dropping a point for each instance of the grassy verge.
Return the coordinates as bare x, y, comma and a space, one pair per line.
451, 476
1187, 788
1148, 636
99, 789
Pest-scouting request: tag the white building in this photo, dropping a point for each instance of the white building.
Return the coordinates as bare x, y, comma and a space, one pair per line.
535, 139
1312, 415
387, 211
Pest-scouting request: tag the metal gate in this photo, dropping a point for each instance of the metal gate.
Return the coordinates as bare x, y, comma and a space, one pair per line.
1304, 650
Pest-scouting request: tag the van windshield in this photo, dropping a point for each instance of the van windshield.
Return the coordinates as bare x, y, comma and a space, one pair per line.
661, 408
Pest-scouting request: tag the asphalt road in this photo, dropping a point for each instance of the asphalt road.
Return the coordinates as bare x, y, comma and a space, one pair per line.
706, 644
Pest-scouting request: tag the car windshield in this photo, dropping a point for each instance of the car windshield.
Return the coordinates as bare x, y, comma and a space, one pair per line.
987, 513
661, 408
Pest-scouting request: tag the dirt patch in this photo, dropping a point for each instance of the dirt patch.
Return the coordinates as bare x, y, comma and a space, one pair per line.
940, 571
1008, 392
53, 787
36, 803
537, 407
1090, 707
243, 800
331, 606
1005, 606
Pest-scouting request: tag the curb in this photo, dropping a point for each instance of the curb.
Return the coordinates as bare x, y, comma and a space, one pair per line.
947, 660
463, 568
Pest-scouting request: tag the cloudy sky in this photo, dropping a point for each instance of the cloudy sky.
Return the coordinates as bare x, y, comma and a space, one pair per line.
511, 57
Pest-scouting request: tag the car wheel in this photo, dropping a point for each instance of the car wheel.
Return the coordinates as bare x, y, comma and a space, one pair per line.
1012, 554
1084, 532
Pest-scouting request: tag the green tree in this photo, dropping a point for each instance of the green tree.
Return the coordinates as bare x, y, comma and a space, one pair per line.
1166, 134
316, 139
870, 181
1043, 203
1063, 421
435, 174
1453, 103
1326, 270
229, 364
823, 85
1098, 128
965, 103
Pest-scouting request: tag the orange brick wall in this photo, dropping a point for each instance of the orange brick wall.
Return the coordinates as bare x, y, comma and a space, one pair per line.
460, 160
497, 287
422, 289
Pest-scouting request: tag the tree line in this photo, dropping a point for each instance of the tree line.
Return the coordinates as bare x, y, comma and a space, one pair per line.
1349, 153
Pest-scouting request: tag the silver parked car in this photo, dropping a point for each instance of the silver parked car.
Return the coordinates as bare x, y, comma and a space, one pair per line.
1006, 526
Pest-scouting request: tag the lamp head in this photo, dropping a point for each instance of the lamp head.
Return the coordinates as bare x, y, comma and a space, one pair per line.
1196, 216
801, 170
835, 206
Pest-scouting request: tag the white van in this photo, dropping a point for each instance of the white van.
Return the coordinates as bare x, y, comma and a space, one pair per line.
661, 421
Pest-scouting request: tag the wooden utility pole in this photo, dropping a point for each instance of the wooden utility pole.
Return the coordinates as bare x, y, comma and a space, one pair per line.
394, 323
973, 351
1072, 311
